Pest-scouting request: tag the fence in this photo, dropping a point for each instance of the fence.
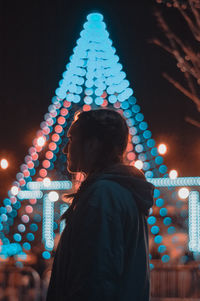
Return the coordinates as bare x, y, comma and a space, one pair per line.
168, 283
180, 282
19, 284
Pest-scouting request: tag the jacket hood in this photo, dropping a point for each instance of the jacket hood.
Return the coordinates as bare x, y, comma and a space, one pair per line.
134, 180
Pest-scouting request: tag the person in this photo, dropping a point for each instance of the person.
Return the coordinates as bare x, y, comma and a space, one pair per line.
103, 252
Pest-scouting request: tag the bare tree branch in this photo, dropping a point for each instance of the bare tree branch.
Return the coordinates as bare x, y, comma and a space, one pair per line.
193, 122
187, 56
183, 90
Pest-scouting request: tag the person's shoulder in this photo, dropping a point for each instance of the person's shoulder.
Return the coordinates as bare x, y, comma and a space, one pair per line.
105, 185
105, 192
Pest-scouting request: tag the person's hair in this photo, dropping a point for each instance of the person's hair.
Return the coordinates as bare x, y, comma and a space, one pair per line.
110, 129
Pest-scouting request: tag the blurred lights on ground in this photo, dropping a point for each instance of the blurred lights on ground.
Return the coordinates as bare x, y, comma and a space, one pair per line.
162, 148
4, 163
183, 193
138, 164
173, 174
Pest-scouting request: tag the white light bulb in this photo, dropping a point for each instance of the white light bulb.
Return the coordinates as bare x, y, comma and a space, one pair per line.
138, 164
173, 174
47, 182
53, 196
183, 193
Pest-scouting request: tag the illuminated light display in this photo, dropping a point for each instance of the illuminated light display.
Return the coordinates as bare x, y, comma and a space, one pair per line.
14, 190
138, 164
49, 155
58, 129
131, 156
4, 163
63, 112
183, 193
151, 220
25, 218
41, 141
194, 221
33, 227
54, 185
29, 209
86, 108
10, 249
21, 228
26, 173
95, 71
30, 236
179, 181
165, 258
27, 159
162, 148
43, 172
33, 201
47, 182
158, 239
53, 196
26, 194
30, 165
55, 137
46, 163
48, 217
61, 120
52, 146
155, 230
173, 174
17, 237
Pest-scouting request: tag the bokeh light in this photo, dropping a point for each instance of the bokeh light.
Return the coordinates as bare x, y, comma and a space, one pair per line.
162, 148
183, 193
138, 164
53, 196
4, 163
173, 174
41, 141
47, 182
14, 190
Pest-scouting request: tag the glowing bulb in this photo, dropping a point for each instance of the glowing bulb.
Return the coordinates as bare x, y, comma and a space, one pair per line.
138, 164
4, 163
162, 148
53, 196
173, 174
41, 141
47, 182
14, 190
183, 193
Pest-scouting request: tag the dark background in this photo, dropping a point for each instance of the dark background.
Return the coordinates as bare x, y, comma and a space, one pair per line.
37, 38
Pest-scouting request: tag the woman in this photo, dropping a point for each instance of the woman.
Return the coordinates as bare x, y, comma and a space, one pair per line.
103, 251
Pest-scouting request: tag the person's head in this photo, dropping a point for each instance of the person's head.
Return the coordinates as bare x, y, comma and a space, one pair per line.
97, 139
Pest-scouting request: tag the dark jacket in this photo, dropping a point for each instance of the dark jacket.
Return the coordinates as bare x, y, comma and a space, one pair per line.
103, 253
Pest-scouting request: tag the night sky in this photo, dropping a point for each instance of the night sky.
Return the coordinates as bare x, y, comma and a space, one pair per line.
37, 38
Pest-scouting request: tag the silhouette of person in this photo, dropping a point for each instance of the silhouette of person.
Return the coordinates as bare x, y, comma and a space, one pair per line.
103, 252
